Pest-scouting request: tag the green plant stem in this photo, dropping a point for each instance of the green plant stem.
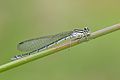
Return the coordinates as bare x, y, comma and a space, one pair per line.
44, 53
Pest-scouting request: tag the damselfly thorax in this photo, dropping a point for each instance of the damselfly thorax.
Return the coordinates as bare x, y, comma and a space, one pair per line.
33, 46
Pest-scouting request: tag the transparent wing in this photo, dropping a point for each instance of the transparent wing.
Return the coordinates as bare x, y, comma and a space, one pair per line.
33, 44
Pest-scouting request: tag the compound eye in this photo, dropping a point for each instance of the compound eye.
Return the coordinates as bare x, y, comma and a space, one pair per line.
86, 29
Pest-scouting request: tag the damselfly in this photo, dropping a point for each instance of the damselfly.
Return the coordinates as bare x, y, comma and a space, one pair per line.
38, 44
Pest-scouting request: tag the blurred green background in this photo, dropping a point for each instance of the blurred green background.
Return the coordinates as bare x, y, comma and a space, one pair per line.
97, 59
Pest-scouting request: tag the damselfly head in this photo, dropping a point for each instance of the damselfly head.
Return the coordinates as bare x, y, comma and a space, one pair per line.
87, 31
